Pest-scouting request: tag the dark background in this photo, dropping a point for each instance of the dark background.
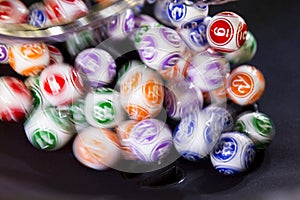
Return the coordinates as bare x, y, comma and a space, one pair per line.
27, 173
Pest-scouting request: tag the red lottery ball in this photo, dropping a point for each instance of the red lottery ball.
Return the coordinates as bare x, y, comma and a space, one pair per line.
14, 12
15, 99
226, 32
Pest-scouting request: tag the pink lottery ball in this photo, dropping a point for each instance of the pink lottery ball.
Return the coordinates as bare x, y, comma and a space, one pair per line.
15, 99
226, 32
61, 84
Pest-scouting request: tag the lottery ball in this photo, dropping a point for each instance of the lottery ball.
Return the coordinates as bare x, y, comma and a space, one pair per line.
103, 108
233, 154
160, 48
120, 26
28, 59
13, 12
37, 16
182, 15
207, 71
181, 99
33, 84
226, 32
258, 126
3, 54
62, 11
150, 140
196, 135
123, 131
227, 121
245, 85
96, 148
160, 12
15, 99
195, 38
49, 129
143, 23
61, 84
245, 53
141, 91
96, 66
177, 72
56, 56
77, 111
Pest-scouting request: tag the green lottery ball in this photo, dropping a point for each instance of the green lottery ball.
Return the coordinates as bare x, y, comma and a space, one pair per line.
258, 126
245, 53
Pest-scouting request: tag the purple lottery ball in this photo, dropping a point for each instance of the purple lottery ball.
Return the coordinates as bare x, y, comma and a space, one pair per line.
96, 66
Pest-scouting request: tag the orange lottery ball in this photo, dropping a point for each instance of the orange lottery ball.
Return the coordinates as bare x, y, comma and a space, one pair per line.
245, 85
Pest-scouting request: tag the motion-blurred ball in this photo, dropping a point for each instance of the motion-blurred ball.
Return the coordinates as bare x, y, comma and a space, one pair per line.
49, 129
97, 66
33, 84
13, 12
258, 126
96, 148
182, 15
15, 99
28, 59
197, 134
150, 140
77, 111
103, 108
61, 84
3, 54
141, 91
160, 48
207, 71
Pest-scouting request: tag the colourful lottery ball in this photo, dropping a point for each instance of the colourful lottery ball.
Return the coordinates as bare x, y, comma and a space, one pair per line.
103, 108
177, 72
160, 12
196, 135
245, 53
77, 111
143, 23
207, 71
123, 131
15, 99
233, 154
160, 48
96, 148
195, 38
181, 99
226, 32
37, 16
141, 91
258, 126
33, 84
3, 54
225, 116
13, 12
28, 59
150, 140
62, 11
49, 129
121, 26
183, 15
96, 66
245, 85
56, 56
61, 84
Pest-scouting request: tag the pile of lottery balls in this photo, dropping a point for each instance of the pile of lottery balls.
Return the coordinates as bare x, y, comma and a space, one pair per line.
189, 71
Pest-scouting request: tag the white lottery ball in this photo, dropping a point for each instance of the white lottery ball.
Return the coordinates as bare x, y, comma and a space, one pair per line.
233, 154
96, 148
103, 108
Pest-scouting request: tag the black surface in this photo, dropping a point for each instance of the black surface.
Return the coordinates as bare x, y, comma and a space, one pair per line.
27, 173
